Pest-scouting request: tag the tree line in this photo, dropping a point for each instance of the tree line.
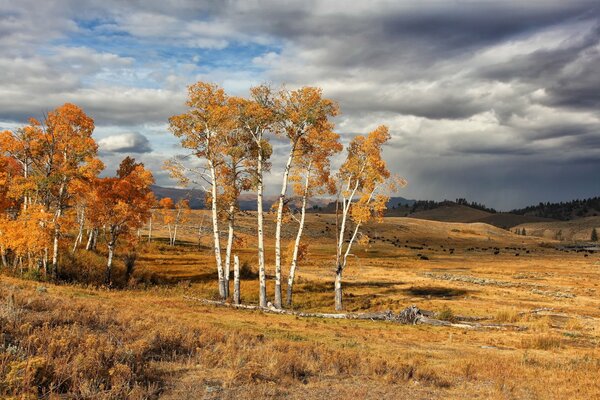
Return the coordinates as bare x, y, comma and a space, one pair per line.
51, 192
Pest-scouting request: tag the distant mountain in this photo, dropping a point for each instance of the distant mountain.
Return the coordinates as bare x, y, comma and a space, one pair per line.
459, 210
563, 211
195, 196
247, 201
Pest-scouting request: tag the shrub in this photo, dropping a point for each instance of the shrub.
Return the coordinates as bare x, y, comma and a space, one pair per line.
446, 314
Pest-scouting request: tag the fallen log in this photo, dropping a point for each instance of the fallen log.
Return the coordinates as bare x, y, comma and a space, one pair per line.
411, 315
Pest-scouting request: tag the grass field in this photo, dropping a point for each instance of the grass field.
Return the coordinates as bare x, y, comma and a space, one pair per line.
148, 341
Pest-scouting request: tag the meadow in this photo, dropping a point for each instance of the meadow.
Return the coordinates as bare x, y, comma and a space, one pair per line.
151, 339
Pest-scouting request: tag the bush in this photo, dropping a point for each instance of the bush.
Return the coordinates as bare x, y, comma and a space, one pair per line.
446, 314
89, 268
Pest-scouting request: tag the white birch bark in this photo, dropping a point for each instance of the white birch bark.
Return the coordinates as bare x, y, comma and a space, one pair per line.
150, 226
230, 235
236, 280
286, 173
294, 263
111, 250
79, 238
215, 223
260, 227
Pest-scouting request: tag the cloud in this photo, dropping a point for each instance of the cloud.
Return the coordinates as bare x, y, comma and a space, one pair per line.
131, 142
483, 99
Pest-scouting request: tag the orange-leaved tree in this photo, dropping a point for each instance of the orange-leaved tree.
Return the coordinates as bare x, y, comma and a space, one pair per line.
122, 204
10, 171
70, 152
167, 206
362, 180
203, 130
311, 175
53, 155
300, 111
256, 118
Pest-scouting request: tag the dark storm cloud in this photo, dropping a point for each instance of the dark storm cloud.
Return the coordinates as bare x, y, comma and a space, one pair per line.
495, 101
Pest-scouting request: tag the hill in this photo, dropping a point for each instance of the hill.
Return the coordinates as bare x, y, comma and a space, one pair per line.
563, 211
451, 213
574, 230
509, 220
195, 196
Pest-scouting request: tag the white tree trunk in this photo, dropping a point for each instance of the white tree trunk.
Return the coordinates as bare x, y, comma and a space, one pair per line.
81, 216
111, 250
294, 263
230, 235
286, 173
339, 306
342, 260
261, 246
150, 226
177, 217
3, 255
55, 251
91, 244
215, 223
236, 280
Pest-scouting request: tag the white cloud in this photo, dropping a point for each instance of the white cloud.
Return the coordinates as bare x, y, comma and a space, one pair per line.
131, 142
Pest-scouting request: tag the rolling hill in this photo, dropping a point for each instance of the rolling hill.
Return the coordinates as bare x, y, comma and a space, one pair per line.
575, 230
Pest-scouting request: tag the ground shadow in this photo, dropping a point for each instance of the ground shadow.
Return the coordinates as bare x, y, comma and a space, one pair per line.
435, 291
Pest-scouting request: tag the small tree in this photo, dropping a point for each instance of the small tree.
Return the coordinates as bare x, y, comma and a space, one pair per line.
167, 206
311, 176
361, 178
182, 211
122, 204
256, 118
203, 130
300, 111
594, 236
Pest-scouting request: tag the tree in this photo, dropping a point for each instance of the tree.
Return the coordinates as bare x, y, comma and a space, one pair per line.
167, 206
300, 111
10, 171
71, 152
182, 210
203, 130
27, 236
234, 177
151, 220
361, 178
594, 236
122, 204
311, 176
257, 117
54, 156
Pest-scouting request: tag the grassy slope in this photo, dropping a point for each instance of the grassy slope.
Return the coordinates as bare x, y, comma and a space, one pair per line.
574, 230
181, 349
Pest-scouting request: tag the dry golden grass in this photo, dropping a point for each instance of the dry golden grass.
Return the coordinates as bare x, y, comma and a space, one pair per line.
147, 341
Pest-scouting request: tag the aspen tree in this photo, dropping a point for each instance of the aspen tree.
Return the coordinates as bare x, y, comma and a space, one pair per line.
257, 118
300, 111
203, 130
362, 177
312, 177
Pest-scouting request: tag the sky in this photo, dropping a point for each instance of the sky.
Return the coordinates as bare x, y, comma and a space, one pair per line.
494, 101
